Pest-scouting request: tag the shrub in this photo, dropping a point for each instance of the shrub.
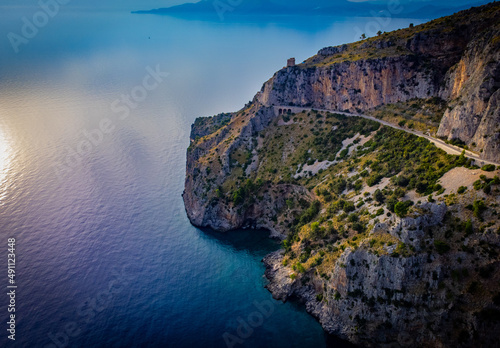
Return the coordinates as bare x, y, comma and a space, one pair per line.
441, 247
401, 209
358, 227
422, 186
374, 179
400, 192
349, 206
468, 227
310, 213
461, 189
401, 181
477, 185
299, 267
343, 154
488, 168
478, 207
379, 196
352, 217
287, 245
400, 250
315, 228
238, 196
391, 203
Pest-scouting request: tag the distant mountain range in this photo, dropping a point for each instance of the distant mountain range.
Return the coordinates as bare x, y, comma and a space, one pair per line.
318, 7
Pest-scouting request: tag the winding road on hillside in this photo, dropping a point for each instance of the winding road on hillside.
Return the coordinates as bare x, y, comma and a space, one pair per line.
450, 149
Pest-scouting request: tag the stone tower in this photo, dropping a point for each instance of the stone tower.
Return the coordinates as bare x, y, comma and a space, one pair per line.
290, 62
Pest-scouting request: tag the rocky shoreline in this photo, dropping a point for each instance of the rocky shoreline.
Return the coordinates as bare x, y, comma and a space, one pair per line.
379, 249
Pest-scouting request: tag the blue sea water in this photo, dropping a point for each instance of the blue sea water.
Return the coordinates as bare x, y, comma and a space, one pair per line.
91, 183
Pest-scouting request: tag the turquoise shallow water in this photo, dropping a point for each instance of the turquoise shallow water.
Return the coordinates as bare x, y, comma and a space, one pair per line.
105, 254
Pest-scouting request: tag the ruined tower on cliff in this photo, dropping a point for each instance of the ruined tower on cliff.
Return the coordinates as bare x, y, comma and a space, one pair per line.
290, 62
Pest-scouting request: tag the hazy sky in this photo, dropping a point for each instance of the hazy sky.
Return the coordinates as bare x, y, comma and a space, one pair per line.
121, 4
149, 4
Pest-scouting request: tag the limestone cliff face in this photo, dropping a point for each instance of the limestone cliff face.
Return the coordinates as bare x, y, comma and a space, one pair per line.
459, 64
473, 90
222, 135
387, 300
352, 86
368, 295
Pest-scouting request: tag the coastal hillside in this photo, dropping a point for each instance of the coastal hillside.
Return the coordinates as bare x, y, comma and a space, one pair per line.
387, 239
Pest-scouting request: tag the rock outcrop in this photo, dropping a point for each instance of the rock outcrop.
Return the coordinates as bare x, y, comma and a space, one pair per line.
371, 262
473, 90
388, 300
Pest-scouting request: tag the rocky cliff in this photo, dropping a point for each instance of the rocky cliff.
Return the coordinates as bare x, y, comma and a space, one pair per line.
388, 240
391, 296
455, 58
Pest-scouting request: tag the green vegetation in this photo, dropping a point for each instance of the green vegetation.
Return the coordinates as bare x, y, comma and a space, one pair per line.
422, 114
339, 186
478, 207
314, 141
394, 44
310, 213
488, 168
419, 163
486, 183
246, 192
401, 208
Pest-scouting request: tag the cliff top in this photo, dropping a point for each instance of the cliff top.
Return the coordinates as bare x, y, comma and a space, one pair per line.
461, 27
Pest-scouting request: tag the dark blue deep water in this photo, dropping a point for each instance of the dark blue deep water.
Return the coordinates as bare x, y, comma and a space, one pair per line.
105, 254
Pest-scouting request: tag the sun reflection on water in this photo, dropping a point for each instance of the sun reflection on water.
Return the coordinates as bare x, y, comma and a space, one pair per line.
5, 159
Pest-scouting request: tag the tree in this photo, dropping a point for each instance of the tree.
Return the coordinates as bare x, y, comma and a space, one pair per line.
411, 25
379, 32
401, 209
468, 228
462, 159
478, 207
363, 36
488, 168
239, 196
315, 228
349, 206
379, 196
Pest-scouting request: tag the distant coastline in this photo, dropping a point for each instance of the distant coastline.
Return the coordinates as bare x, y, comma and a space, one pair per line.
344, 8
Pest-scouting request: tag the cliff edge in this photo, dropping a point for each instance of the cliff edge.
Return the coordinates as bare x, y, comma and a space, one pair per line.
387, 239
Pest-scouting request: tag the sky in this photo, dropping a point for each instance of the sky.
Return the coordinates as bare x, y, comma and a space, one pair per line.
150, 4
99, 4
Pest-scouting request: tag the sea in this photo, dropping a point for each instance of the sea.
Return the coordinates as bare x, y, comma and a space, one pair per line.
95, 116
